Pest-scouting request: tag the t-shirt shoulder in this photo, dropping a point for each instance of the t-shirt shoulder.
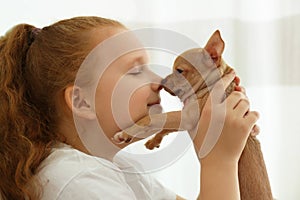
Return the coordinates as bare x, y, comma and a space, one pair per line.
69, 169
70, 174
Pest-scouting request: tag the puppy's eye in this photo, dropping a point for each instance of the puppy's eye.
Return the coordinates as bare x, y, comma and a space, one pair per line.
179, 70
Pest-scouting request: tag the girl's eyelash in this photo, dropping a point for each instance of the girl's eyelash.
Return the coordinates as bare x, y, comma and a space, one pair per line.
136, 70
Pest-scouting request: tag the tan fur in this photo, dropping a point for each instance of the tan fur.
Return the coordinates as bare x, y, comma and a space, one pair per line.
196, 68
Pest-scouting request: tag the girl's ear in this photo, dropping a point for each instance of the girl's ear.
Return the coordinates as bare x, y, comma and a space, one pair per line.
215, 47
78, 103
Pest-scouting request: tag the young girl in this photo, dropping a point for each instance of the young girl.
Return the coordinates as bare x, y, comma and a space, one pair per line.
42, 155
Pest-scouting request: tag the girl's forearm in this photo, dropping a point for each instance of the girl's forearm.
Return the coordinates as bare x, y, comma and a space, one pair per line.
219, 181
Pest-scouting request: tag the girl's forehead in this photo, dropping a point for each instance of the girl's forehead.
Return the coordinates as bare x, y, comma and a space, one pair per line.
119, 39
131, 59
117, 47
139, 55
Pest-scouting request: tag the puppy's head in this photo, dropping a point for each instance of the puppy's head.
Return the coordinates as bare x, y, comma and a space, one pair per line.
196, 69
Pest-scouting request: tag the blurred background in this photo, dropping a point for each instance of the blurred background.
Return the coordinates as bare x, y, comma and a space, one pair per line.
262, 43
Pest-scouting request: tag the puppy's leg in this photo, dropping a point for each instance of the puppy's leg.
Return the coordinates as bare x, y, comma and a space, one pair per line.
189, 118
253, 176
150, 125
127, 134
156, 140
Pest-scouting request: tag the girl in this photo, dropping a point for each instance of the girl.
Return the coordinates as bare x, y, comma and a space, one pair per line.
42, 156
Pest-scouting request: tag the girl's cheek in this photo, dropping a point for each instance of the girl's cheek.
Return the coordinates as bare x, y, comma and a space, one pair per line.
139, 98
127, 99
130, 96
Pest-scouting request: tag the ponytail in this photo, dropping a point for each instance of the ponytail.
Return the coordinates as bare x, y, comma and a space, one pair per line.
18, 154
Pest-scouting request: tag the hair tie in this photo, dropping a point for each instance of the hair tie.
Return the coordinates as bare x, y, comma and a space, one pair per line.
36, 31
33, 34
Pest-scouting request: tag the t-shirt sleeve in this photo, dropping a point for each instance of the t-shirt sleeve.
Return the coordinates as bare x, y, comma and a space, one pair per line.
96, 185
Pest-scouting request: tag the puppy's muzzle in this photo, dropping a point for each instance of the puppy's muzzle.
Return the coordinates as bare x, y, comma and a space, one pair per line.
164, 81
165, 87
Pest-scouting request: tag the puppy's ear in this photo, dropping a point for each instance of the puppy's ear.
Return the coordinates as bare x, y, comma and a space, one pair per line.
78, 103
215, 47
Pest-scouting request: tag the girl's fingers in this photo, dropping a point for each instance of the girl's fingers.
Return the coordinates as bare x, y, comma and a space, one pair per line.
255, 130
237, 80
252, 117
243, 90
242, 107
234, 98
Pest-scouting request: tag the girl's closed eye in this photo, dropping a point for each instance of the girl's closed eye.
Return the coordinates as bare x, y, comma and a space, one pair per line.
136, 70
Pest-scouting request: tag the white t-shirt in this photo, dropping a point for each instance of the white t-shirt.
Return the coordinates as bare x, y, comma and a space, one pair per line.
69, 174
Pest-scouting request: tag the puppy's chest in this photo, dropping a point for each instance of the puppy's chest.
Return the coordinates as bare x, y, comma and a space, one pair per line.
203, 95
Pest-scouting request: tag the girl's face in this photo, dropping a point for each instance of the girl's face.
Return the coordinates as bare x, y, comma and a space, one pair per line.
126, 91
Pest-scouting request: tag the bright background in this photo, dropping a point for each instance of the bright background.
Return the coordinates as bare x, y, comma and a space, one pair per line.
262, 43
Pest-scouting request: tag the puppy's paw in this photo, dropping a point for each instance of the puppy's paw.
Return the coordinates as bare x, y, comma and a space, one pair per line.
156, 140
152, 143
121, 137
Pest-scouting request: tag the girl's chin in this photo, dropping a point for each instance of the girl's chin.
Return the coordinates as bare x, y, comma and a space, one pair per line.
155, 109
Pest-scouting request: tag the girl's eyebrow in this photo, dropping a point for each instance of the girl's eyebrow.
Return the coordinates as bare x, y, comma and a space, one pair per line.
140, 59
134, 58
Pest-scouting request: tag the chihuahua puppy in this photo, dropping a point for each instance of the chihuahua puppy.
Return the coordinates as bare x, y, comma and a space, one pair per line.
194, 73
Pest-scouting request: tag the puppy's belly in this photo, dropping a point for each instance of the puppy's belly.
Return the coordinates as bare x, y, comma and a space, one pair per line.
190, 116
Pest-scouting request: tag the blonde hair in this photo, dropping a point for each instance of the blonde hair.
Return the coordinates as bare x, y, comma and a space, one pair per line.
36, 65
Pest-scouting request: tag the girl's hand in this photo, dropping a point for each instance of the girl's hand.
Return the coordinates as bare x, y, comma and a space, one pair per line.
229, 122
255, 130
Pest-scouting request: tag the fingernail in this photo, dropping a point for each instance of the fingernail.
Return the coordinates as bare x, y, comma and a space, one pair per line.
238, 88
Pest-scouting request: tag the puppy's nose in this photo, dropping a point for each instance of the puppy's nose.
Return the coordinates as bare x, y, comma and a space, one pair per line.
163, 81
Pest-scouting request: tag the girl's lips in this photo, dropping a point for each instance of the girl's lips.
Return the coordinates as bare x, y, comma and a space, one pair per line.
153, 103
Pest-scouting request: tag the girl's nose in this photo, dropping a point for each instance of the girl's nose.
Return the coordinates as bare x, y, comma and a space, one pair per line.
156, 86
155, 81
